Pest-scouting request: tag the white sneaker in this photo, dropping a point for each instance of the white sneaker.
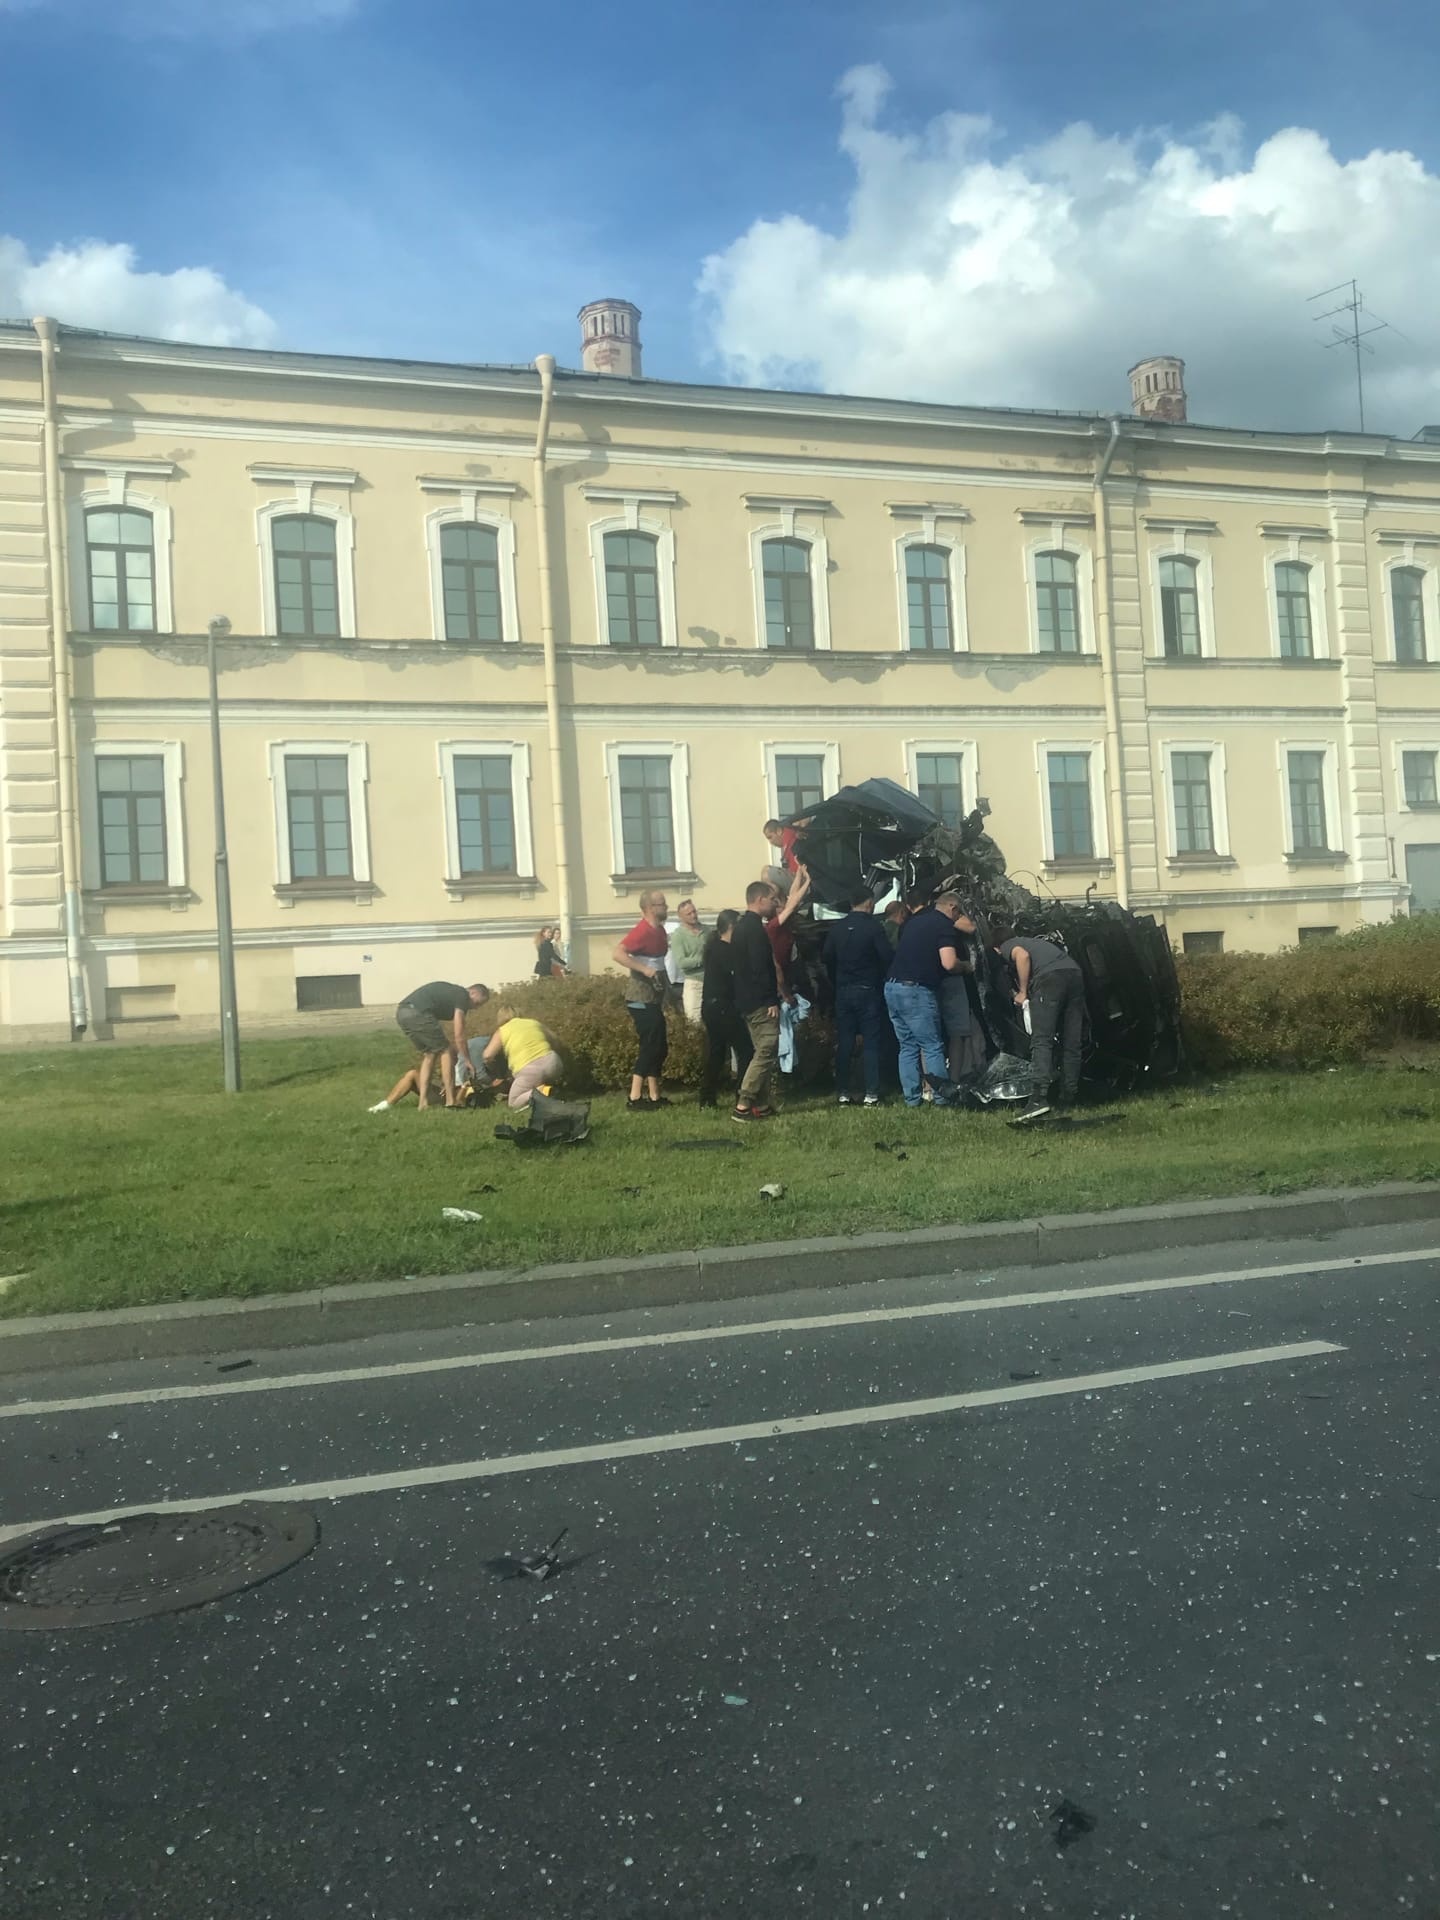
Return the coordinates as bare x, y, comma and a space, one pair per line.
872, 1100
380, 1106
844, 1101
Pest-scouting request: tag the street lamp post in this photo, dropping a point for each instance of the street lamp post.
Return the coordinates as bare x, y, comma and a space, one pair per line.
224, 926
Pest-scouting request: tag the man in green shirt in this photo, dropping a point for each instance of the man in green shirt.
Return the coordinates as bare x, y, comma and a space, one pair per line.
688, 941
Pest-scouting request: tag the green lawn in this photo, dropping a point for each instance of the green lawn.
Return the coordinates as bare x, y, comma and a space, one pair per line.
126, 1177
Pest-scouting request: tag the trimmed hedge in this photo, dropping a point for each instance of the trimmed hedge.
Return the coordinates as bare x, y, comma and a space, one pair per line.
1317, 1005
1311, 1006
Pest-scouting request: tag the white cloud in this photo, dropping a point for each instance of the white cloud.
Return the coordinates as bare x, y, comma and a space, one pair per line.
98, 284
1037, 278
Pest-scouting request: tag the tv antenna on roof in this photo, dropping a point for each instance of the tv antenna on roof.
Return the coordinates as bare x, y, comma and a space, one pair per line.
1353, 336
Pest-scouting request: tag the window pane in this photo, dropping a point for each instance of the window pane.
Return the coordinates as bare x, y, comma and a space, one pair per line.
1070, 827
1407, 599
104, 563
632, 593
102, 526
646, 823
1194, 825
937, 778
1419, 775
133, 529
928, 597
1057, 603
485, 813
1292, 609
1307, 801
789, 608
1180, 607
799, 782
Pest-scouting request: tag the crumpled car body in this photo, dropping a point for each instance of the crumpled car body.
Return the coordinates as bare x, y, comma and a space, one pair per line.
879, 836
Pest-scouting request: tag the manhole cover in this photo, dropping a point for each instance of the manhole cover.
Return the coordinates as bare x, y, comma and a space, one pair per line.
148, 1563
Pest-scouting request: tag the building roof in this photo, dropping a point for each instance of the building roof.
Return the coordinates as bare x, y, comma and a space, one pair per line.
481, 376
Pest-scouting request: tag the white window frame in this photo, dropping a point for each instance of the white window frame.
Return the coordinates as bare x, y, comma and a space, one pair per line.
1219, 808
117, 493
517, 752
172, 753
1330, 774
1319, 600
1060, 540
969, 753
828, 750
927, 536
632, 520
1099, 811
1177, 547
679, 757
357, 757
1429, 600
785, 529
302, 500
469, 513
1398, 751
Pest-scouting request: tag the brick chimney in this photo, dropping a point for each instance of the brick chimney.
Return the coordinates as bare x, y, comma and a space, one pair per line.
1157, 389
610, 338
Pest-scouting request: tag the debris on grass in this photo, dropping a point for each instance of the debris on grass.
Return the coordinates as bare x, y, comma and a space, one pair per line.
460, 1213
775, 1190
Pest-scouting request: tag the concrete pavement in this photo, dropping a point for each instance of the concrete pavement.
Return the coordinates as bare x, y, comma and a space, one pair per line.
1154, 1534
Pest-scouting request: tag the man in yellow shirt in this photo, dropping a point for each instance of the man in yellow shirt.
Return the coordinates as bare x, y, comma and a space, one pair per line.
527, 1052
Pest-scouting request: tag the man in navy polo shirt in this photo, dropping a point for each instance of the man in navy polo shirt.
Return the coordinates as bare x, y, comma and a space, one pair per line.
927, 952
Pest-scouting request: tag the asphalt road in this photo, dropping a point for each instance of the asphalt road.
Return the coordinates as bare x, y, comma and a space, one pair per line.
846, 1660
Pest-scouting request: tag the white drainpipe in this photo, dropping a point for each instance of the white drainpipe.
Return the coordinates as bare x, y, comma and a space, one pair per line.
545, 367
1105, 613
47, 332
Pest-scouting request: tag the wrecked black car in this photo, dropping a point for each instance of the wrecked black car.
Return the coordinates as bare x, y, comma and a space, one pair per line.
879, 836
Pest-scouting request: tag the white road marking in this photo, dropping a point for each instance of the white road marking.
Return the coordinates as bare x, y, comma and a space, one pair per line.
747, 1330
696, 1437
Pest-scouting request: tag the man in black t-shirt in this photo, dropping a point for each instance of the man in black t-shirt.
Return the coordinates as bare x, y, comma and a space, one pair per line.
858, 956
422, 1017
758, 990
1050, 983
928, 952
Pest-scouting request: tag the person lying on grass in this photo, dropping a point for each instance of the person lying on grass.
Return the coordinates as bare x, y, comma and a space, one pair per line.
526, 1051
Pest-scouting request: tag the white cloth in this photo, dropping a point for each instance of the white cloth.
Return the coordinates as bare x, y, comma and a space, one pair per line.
790, 1018
692, 989
672, 966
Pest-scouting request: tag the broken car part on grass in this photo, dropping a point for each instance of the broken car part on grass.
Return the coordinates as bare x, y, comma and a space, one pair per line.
877, 836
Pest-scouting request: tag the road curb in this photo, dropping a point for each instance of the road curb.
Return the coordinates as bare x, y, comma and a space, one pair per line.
53, 1341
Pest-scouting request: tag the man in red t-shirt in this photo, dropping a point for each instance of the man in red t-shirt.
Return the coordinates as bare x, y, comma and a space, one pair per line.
642, 956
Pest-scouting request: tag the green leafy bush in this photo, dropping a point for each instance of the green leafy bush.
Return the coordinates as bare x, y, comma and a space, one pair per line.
587, 1015
1315, 1005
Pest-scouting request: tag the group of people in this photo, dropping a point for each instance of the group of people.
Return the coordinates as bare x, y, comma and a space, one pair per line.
902, 974
432, 1018
900, 992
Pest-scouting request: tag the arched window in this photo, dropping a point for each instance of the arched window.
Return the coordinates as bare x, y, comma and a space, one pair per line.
1180, 607
927, 596
307, 591
120, 561
1407, 603
632, 589
470, 582
789, 601
1057, 602
1292, 610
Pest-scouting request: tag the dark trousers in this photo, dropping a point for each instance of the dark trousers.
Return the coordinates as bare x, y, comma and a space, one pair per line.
1057, 1006
725, 1032
858, 1010
654, 1041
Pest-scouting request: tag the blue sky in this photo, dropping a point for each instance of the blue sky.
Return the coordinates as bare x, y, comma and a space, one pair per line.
453, 178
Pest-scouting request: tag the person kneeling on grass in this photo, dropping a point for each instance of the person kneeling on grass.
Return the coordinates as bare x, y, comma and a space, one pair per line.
526, 1051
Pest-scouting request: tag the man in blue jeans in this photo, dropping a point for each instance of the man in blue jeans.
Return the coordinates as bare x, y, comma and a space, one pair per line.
858, 954
926, 955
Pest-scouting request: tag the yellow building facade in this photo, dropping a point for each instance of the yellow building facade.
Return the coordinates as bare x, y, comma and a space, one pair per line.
508, 645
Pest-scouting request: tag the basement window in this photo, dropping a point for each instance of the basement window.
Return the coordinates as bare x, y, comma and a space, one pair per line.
327, 992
